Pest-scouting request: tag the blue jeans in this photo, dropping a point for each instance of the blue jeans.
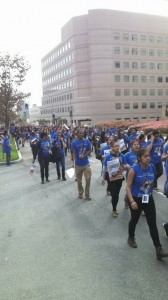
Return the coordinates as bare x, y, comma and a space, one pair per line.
60, 161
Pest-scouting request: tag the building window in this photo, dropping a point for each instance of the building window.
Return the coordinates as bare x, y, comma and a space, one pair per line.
117, 92
160, 66
152, 92
160, 53
143, 79
151, 66
134, 51
143, 51
152, 79
135, 92
135, 105
151, 39
116, 36
159, 39
160, 92
166, 92
144, 105
152, 105
151, 52
166, 53
117, 78
143, 92
116, 50
160, 105
166, 79
134, 65
126, 92
125, 36
126, 51
166, 66
134, 37
118, 106
117, 64
134, 78
126, 65
160, 79
126, 78
143, 38
143, 65
126, 105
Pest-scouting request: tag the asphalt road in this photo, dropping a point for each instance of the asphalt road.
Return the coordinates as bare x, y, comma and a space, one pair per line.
55, 246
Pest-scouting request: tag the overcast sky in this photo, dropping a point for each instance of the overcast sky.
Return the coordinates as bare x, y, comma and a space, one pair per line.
33, 27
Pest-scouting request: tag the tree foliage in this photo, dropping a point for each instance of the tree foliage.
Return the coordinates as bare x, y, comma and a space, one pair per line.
13, 71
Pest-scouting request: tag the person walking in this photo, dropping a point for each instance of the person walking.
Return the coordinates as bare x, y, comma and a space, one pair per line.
155, 146
58, 153
113, 166
139, 191
7, 147
43, 152
81, 148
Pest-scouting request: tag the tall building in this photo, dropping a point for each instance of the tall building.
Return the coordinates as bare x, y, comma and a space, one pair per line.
110, 65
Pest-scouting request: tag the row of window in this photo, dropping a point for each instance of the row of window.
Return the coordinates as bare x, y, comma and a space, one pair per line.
58, 99
136, 105
119, 36
140, 51
60, 87
67, 59
141, 92
58, 76
141, 65
63, 109
56, 54
142, 78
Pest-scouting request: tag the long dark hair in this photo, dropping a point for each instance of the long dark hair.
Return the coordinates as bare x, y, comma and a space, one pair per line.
141, 152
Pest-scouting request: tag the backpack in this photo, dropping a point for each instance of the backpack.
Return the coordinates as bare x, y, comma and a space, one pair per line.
165, 192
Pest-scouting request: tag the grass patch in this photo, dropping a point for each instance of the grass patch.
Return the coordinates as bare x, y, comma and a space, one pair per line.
14, 152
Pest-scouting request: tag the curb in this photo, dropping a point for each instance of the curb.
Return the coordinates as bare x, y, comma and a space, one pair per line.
13, 162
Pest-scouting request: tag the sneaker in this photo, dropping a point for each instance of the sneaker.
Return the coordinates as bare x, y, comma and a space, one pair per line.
166, 229
88, 198
59, 178
160, 253
117, 213
131, 242
64, 179
80, 196
42, 181
114, 214
47, 180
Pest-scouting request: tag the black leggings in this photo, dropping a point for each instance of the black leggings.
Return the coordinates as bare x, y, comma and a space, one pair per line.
150, 213
44, 164
114, 188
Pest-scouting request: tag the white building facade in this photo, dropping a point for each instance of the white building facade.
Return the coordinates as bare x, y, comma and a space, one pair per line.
110, 65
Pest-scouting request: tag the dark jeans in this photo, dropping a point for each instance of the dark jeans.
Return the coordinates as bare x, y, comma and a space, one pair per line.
158, 171
150, 213
8, 158
114, 188
60, 161
44, 164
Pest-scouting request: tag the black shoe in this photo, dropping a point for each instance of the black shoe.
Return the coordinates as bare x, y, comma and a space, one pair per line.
47, 180
59, 178
166, 229
42, 181
64, 179
131, 242
88, 198
160, 253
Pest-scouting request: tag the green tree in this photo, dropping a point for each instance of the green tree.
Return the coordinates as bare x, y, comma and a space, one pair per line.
13, 71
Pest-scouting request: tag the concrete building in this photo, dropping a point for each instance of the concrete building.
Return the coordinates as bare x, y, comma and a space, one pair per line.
35, 113
110, 65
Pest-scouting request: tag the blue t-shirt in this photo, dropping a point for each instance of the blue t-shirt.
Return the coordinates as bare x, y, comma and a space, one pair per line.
81, 148
156, 151
105, 150
143, 180
6, 145
111, 165
60, 149
131, 158
45, 148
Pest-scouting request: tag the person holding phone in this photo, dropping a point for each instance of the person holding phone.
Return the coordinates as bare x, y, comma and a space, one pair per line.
139, 187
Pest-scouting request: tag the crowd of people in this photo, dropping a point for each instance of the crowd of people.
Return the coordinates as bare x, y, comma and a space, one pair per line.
124, 155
